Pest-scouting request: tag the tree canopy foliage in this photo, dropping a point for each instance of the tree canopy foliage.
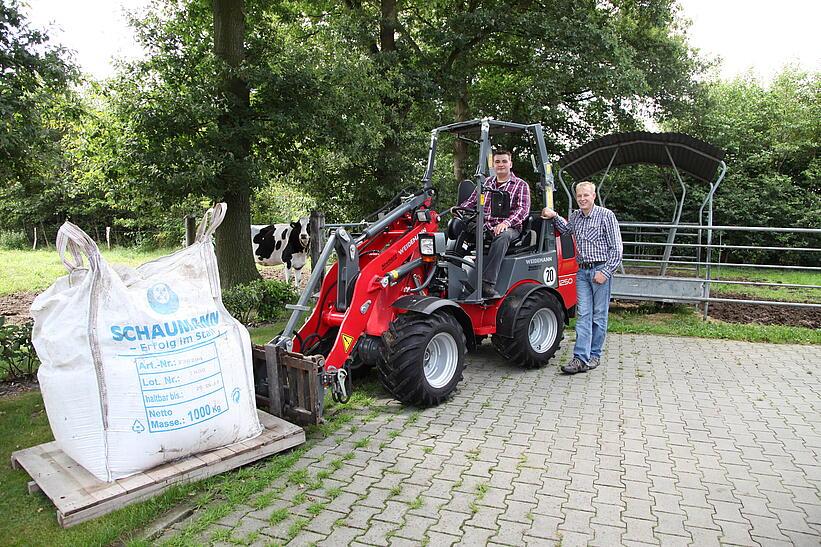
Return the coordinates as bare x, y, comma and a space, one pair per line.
331, 103
36, 107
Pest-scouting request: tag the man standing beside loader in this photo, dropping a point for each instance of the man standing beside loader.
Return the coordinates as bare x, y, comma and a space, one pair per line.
599, 253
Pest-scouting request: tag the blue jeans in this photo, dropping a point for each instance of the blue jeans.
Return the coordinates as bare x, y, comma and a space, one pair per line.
593, 302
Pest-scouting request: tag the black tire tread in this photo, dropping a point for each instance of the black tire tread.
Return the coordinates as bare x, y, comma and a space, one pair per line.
400, 372
515, 349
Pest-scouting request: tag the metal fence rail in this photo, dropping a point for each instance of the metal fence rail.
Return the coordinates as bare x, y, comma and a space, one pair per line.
648, 247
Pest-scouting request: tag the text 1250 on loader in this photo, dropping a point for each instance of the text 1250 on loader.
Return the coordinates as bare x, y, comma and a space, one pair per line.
406, 298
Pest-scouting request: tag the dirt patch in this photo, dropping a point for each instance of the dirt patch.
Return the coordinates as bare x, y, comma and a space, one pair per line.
277, 273
16, 307
763, 314
18, 386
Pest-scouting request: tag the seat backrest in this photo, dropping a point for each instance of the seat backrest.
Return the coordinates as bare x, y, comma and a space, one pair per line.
466, 188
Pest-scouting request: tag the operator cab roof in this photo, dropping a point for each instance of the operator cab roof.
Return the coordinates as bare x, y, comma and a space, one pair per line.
474, 127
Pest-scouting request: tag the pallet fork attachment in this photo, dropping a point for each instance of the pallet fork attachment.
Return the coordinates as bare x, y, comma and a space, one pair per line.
295, 391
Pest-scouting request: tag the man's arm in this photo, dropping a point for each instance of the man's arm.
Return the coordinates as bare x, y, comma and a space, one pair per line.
561, 224
614, 245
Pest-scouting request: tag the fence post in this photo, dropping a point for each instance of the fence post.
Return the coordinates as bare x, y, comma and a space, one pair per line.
34, 247
190, 229
108, 237
316, 228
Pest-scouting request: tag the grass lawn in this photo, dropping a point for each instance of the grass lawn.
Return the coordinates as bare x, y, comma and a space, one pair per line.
792, 277
35, 271
681, 320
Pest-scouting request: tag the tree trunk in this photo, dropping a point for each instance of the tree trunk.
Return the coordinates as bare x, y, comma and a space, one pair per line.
387, 26
387, 173
460, 148
233, 238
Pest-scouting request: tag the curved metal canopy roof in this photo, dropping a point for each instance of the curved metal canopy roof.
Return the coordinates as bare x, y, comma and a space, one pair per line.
693, 156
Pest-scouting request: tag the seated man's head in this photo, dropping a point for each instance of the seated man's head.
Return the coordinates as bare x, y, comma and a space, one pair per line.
502, 164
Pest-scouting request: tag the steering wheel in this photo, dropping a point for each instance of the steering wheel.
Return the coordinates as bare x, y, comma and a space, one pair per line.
464, 213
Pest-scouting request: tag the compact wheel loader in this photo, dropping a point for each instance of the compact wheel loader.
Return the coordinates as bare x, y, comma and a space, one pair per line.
406, 297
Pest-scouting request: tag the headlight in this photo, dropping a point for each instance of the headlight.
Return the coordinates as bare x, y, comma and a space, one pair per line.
426, 246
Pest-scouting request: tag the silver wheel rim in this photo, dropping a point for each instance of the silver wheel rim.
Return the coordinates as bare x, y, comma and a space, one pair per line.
440, 360
542, 330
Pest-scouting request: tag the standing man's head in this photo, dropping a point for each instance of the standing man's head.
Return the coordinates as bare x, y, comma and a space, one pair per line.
502, 164
586, 196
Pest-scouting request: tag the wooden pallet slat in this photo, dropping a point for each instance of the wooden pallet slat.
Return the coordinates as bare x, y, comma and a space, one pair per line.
79, 496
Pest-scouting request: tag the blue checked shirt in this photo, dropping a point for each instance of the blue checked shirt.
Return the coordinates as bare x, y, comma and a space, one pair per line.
598, 238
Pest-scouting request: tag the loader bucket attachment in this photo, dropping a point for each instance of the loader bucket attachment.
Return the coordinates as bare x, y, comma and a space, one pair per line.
294, 391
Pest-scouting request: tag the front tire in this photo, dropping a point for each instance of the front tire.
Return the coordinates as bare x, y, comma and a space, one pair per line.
425, 358
538, 330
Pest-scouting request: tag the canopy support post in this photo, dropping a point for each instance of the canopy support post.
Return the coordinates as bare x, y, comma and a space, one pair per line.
671, 235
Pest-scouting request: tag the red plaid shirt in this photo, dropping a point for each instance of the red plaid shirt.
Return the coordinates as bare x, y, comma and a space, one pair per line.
519, 202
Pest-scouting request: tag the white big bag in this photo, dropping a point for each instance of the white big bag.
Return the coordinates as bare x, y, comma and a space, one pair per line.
142, 366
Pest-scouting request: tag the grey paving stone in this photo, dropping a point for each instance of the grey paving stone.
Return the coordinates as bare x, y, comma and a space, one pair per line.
430, 508
639, 509
638, 529
517, 511
475, 536
802, 540
415, 527
703, 537
575, 539
512, 533
582, 501
438, 538
670, 524
398, 541
378, 533
691, 451
734, 533
303, 539
449, 522
606, 536
494, 497
360, 516
576, 520
608, 515
545, 527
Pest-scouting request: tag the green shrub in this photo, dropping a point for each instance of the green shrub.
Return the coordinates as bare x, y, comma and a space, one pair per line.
14, 240
261, 301
17, 357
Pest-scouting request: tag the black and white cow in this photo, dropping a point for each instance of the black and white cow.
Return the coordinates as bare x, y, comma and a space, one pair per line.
282, 244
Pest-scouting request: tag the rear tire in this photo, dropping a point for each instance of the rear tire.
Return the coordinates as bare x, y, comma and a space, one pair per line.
425, 358
538, 330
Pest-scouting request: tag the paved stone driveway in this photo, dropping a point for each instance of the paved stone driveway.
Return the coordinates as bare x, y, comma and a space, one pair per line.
673, 441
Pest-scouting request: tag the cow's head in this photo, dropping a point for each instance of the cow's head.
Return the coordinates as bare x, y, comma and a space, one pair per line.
300, 236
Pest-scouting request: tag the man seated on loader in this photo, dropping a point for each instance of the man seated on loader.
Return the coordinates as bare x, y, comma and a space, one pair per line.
503, 229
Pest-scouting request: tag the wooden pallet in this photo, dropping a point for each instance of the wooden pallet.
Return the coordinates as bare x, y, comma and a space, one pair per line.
79, 496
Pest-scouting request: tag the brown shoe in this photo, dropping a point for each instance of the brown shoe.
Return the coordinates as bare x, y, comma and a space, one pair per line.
488, 291
575, 365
